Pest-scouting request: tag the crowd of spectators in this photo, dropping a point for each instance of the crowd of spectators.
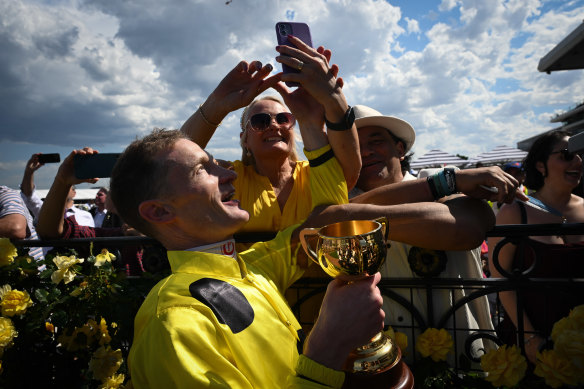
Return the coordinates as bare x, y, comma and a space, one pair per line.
220, 317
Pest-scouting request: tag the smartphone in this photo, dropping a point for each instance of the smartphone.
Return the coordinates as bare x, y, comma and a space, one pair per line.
94, 165
49, 158
300, 31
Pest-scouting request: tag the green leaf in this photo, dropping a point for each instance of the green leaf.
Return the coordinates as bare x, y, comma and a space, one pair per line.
41, 295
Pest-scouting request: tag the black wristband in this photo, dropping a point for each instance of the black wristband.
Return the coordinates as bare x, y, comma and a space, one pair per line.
450, 179
345, 124
432, 186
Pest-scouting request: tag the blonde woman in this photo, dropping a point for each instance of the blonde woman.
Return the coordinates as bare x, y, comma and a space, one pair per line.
273, 185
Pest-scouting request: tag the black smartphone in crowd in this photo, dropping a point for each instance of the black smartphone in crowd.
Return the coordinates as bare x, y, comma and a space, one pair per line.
49, 158
94, 165
300, 31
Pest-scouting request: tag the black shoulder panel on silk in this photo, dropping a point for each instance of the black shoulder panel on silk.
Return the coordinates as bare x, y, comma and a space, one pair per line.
226, 301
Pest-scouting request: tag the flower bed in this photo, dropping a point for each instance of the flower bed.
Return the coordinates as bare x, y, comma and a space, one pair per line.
66, 321
504, 367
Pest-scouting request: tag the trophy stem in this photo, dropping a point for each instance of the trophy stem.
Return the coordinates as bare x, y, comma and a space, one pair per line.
379, 355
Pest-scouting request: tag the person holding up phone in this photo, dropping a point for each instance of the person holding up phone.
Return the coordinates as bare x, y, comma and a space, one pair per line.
52, 225
272, 185
34, 202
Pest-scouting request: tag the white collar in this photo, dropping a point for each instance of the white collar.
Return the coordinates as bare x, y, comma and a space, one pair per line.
225, 247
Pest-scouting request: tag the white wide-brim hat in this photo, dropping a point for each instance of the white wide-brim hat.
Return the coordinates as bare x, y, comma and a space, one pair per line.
365, 116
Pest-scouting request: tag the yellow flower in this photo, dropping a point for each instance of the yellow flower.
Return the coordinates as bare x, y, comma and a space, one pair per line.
7, 332
4, 289
104, 257
105, 337
390, 332
15, 302
402, 341
90, 330
7, 252
574, 321
564, 324
556, 370
113, 382
74, 340
50, 327
105, 362
505, 366
64, 271
577, 317
435, 344
570, 345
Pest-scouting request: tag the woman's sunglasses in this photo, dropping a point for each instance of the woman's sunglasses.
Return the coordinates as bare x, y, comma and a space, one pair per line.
262, 121
567, 155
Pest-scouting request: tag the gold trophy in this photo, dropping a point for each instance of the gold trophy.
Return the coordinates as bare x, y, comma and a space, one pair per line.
351, 250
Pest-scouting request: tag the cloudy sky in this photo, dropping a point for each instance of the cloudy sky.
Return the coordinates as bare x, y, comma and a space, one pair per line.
101, 72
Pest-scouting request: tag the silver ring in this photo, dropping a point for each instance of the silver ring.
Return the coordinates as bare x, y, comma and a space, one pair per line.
300, 65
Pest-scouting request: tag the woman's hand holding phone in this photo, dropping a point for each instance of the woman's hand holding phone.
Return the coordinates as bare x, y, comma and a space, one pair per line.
316, 76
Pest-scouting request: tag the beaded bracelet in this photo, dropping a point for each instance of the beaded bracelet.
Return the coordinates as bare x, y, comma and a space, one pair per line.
205, 117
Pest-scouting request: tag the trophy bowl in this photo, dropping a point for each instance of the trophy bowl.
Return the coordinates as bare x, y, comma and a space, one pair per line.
350, 250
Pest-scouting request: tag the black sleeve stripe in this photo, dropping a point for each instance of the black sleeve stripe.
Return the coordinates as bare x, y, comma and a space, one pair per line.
322, 159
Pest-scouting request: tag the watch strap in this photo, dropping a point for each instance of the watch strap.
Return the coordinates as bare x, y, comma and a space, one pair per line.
345, 124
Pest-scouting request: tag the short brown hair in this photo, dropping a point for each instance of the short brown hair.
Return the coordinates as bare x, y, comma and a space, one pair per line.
139, 176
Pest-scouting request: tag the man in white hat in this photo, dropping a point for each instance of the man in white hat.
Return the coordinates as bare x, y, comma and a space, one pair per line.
385, 142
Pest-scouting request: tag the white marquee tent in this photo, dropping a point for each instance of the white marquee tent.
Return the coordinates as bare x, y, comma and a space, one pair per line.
436, 158
499, 155
82, 194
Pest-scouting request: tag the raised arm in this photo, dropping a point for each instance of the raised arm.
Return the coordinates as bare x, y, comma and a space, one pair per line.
51, 216
27, 186
237, 89
320, 96
472, 182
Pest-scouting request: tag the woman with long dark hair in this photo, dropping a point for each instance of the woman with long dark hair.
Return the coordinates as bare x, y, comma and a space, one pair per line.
552, 172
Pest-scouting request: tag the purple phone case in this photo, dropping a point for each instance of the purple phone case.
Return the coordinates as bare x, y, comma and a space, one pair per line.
300, 31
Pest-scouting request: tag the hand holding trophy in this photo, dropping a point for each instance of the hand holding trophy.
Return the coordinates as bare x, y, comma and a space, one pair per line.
349, 251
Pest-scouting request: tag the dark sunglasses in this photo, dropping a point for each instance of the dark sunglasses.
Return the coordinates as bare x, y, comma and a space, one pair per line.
262, 121
567, 155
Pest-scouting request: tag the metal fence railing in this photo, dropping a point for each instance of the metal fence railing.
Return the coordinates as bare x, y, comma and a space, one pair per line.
305, 295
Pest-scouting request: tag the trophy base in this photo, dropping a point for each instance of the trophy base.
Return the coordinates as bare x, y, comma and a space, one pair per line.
379, 355
398, 377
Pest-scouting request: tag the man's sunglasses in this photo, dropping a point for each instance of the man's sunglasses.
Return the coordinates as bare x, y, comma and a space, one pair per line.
567, 155
262, 121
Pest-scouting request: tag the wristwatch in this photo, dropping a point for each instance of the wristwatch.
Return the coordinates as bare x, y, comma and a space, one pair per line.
345, 124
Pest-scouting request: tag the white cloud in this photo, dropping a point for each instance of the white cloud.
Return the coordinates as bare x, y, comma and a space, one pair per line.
99, 73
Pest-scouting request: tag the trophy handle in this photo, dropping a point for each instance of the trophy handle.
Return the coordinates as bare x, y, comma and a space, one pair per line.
385, 224
304, 234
